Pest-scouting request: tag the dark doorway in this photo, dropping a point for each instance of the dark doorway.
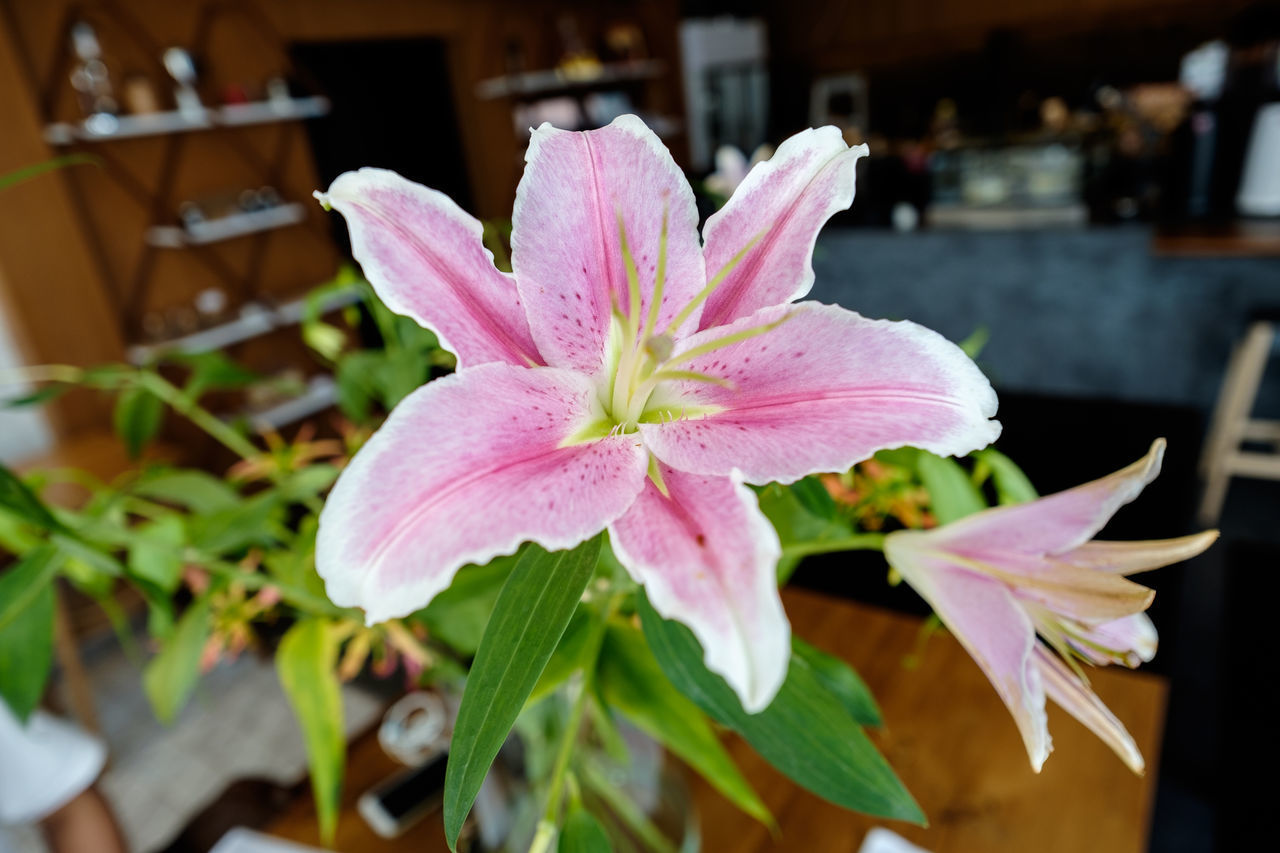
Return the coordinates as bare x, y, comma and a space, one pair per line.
392, 108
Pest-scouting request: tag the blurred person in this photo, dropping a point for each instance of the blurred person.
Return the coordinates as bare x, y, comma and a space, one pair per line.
47, 770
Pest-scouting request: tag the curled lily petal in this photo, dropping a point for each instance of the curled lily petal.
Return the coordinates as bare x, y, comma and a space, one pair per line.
424, 257
465, 469
1074, 696
1058, 522
782, 204
706, 555
566, 245
824, 389
1127, 558
992, 626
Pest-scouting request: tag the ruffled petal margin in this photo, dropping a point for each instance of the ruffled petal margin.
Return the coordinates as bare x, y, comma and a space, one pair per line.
465, 469
706, 557
782, 204
424, 256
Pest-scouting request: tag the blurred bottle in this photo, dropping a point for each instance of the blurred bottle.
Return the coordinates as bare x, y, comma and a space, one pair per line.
91, 78
1189, 192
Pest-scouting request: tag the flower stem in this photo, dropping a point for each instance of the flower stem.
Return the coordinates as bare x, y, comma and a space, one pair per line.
856, 542
198, 415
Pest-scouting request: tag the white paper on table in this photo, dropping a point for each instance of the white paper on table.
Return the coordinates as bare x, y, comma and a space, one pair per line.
881, 840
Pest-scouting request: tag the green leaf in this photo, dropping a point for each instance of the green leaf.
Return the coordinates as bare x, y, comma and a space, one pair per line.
458, 615
800, 517
26, 173
197, 491
41, 395
20, 585
840, 681
630, 680
16, 497
308, 482
306, 663
171, 675
156, 552
227, 531
138, 416
1012, 486
806, 732
973, 345
582, 833
952, 494
26, 643
529, 617
212, 371
571, 654
356, 388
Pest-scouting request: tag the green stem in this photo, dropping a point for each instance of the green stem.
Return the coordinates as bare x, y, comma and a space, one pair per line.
42, 373
626, 810
198, 415
299, 598
552, 813
856, 542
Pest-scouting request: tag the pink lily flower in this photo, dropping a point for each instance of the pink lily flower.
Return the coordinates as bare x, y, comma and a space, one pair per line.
627, 377
999, 577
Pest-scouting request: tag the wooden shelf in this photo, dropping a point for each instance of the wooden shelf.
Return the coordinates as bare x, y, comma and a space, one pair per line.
255, 320
554, 80
105, 128
226, 227
1256, 238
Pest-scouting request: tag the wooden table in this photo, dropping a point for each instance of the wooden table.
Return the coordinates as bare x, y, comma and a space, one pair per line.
946, 733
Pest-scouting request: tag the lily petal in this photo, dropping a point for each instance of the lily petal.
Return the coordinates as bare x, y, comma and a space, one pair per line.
706, 557
783, 203
988, 621
465, 469
1133, 639
1126, 558
825, 389
1057, 523
1065, 687
424, 256
565, 242
1075, 591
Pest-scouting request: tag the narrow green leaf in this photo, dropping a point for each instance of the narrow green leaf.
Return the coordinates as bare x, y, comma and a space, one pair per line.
306, 663
212, 371
529, 617
459, 615
1012, 486
137, 418
171, 675
814, 497
952, 494
840, 681
156, 552
26, 173
20, 585
26, 648
41, 395
308, 482
197, 491
806, 732
582, 833
571, 655
16, 497
630, 680
973, 345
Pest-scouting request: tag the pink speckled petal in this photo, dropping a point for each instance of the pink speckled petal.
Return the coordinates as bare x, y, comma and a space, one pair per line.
788, 198
706, 556
1057, 523
565, 246
824, 390
424, 256
1065, 687
988, 621
466, 468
